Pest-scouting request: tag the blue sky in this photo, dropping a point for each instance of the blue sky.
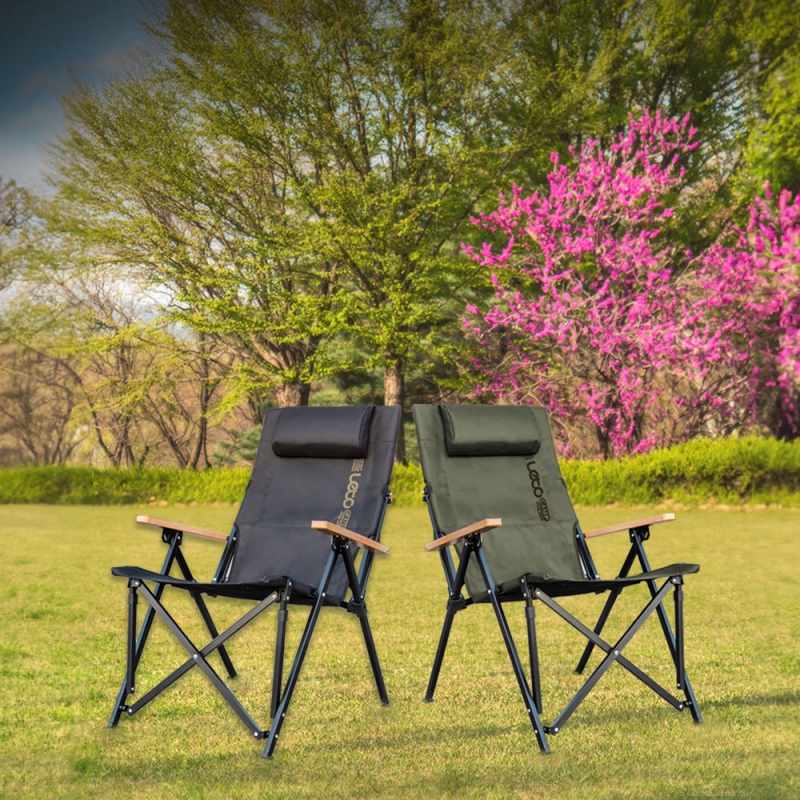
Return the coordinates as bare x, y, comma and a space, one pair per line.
43, 42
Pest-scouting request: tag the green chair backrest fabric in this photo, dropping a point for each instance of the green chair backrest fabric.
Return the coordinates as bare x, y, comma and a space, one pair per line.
500, 461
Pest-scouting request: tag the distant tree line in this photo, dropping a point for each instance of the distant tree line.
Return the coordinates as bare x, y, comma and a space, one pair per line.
270, 207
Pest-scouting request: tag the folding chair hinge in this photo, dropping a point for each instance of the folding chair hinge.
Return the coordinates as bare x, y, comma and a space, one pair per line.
168, 536
550, 731
456, 603
639, 534
356, 606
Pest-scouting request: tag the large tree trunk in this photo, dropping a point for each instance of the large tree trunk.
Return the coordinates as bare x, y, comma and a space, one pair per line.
293, 394
394, 394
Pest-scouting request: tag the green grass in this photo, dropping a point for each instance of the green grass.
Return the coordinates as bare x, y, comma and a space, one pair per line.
62, 659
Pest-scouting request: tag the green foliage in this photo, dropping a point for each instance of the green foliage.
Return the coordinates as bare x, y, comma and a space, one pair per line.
773, 152
243, 447
15, 214
86, 485
407, 484
727, 471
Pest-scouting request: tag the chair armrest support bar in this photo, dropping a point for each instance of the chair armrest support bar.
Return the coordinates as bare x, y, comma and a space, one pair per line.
629, 526
450, 538
356, 538
179, 526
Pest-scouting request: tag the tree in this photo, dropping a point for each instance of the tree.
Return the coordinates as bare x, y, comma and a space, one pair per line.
15, 214
773, 151
602, 321
297, 175
756, 280
86, 352
148, 186
384, 122
37, 408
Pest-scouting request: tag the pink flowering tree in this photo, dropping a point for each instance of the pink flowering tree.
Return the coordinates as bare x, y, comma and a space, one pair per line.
630, 343
753, 275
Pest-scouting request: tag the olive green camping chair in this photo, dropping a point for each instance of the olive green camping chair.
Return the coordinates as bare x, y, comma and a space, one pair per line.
494, 491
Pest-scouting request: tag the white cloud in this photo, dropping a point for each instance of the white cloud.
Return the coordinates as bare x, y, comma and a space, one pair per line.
37, 120
22, 162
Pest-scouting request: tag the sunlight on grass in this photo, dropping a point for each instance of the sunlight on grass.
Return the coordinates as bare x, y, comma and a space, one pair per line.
63, 648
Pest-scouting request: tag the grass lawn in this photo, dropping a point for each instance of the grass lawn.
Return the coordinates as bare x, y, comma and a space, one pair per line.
62, 652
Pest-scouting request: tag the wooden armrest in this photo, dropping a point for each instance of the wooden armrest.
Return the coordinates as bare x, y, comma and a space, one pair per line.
627, 526
356, 538
179, 526
476, 527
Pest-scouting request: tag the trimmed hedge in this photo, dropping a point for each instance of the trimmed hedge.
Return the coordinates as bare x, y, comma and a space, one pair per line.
722, 472
726, 471
730, 471
87, 485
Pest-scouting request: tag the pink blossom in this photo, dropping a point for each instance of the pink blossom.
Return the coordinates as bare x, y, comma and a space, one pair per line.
625, 338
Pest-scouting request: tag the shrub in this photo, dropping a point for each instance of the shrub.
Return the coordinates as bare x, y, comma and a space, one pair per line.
728, 471
73, 485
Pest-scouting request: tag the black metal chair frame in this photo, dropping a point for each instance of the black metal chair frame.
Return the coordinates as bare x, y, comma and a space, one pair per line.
172, 535
639, 532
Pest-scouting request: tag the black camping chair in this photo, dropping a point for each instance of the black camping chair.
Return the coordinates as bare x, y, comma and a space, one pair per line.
495, 467
319, 491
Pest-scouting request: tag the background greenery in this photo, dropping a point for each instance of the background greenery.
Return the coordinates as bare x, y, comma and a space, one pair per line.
727, 471
63, 648
269, 207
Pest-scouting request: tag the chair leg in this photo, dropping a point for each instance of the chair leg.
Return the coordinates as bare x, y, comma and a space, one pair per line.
213, 645
204, 613
604, 614
199, 658
212, 629
680, 665
130, 672
280, 642
530, 704
677, 653
691, 700
455, 603
361, 613
598, 629
119, 705
440, 650
144, 632
533, 650
359, 608
613, 653
294, 674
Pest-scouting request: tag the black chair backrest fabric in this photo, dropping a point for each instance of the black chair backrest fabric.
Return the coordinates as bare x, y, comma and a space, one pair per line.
285, 493
538, 535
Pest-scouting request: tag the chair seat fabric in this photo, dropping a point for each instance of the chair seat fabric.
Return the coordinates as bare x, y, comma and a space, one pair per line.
255, 590
555, 587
